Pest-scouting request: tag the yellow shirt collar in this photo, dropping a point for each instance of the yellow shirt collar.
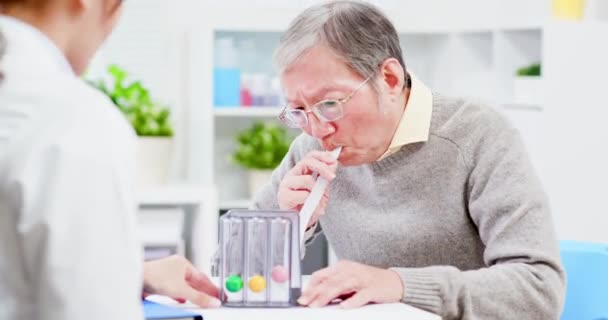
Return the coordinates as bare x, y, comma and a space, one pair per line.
415, 122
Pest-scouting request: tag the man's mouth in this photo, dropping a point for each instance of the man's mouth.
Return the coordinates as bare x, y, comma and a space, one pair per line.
328, 147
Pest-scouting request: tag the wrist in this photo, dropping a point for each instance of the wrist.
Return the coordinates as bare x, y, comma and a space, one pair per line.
396, 285
148, 288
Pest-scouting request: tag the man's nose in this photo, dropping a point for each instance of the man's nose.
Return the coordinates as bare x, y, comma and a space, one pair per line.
319, 129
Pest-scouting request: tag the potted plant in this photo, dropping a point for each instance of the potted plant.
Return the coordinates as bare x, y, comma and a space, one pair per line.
150, 121
527, 85
260, 149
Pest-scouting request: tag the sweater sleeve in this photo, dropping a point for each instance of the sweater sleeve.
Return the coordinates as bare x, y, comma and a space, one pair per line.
523, 277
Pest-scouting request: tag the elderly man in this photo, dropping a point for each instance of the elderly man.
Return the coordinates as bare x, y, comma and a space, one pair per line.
433, 200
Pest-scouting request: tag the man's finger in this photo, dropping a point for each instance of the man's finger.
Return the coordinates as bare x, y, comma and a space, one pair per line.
332, 289
303, 182
358, 300
315, 285
310, 165
319, 276
295, 198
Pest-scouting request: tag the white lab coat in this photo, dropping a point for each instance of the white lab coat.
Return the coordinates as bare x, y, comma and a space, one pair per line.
68, 244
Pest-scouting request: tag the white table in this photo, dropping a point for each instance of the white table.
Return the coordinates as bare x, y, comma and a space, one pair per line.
389, 311
200, 206
396, 311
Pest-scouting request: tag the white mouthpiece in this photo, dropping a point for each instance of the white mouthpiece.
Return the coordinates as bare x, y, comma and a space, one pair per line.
314, 198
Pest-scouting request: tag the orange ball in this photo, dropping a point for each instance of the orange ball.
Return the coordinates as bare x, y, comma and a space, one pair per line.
257, 283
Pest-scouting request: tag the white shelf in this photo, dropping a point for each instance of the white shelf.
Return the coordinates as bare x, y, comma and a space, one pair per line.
235, 204
247, 112
175, 195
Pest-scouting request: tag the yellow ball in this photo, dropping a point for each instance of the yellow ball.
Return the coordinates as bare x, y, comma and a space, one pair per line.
257, 283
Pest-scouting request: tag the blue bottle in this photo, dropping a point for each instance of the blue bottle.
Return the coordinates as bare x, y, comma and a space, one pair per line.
226, 75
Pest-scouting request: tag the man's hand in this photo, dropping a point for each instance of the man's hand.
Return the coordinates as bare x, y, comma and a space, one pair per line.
177, 278
362, 284
298, 182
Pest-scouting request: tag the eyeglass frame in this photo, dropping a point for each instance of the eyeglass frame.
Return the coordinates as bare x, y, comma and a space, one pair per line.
314, 107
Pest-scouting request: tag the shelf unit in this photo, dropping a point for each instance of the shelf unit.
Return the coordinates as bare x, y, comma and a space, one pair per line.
453, 50
235, 204
247, 112
200, 210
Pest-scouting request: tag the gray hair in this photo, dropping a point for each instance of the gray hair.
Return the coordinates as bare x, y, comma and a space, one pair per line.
356, 31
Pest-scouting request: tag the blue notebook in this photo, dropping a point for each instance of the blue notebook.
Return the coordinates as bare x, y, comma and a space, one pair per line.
155, 311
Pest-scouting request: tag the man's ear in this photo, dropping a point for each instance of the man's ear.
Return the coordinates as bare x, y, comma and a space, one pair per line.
393, 77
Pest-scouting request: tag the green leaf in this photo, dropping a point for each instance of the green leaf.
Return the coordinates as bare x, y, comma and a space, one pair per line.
118, 74
533, 70
261, 146
147, 117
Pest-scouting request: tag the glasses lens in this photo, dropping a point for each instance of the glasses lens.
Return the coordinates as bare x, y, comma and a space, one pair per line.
330, 110
294, 118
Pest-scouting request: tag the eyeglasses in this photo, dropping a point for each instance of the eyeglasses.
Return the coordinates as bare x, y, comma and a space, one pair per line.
326, 110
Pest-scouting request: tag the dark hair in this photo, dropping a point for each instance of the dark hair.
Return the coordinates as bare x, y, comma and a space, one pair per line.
28, 2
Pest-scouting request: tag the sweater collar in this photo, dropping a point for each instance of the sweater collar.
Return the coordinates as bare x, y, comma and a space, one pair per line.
415, 122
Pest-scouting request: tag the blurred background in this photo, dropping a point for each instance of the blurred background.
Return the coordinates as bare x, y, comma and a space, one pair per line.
195, 79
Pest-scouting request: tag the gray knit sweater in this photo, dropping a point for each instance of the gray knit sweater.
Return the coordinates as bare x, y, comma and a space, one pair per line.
462, 218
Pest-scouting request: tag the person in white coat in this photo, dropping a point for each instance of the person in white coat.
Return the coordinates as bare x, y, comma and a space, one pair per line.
68, 244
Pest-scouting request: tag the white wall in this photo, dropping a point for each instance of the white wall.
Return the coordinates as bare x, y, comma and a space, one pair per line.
146, 43
575, 170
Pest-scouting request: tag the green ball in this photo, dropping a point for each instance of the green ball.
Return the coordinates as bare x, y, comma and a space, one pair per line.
234, 283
